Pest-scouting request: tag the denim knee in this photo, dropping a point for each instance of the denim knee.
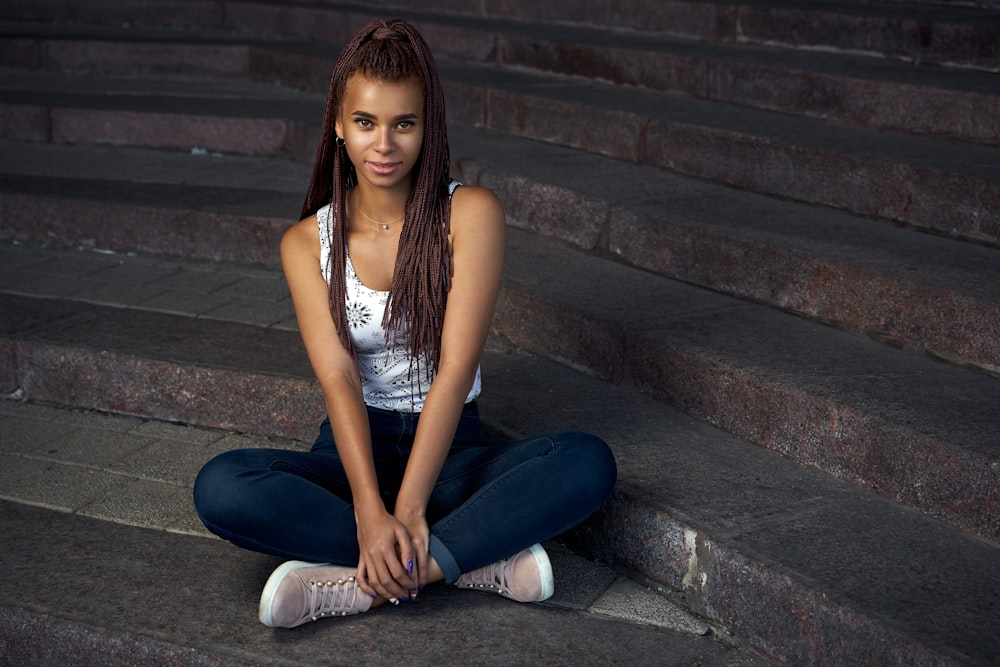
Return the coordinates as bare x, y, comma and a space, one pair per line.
215, 495
593, 464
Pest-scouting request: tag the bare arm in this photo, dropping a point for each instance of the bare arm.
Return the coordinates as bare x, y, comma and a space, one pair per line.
380, 568
478, 243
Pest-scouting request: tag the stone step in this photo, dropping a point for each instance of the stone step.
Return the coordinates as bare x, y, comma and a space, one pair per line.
161, 598
913, 430
928, 295
228, 115
933, 184
844, 88
791, 559
952, 34
908, 30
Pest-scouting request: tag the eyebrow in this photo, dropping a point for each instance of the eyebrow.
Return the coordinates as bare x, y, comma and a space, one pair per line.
405, 116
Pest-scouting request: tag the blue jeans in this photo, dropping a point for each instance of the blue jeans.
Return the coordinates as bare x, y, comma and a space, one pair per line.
490, 500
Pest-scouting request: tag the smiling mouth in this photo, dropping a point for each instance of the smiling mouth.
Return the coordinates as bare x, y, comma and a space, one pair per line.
383, 167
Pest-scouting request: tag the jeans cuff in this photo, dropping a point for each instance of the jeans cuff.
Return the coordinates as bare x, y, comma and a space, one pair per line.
444, 560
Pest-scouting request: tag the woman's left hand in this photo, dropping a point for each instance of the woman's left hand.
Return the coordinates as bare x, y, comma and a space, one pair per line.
420, 534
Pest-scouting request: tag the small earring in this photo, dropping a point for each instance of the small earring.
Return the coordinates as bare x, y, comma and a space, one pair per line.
340, 142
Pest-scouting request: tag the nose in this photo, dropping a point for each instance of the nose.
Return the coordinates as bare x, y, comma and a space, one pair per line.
383, 140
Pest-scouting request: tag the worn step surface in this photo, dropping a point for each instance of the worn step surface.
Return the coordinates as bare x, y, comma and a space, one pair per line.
204, 612
923, 293
829, 83
957, 34
917, 431
862, 170
722, 524
748, 536
931, 295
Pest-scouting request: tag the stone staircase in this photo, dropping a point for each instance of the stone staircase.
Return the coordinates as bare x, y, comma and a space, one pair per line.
754, 246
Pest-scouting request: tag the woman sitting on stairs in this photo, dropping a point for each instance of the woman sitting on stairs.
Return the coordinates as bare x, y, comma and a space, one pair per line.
394, 271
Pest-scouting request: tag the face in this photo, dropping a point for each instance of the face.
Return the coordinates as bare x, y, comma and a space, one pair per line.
382, 124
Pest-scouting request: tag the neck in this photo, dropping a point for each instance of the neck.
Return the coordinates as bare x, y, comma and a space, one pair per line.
383, 210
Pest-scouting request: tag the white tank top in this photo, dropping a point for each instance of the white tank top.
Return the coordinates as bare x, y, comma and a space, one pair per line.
385, 372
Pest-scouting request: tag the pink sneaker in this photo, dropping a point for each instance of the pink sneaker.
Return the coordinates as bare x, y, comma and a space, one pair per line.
299, 592
526, 576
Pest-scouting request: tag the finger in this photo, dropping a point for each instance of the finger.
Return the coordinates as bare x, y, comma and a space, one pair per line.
362, 579
423, 561
407, 559
387, 586
400, 574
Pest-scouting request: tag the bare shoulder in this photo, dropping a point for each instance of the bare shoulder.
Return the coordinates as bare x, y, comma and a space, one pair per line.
475, 208
301, 239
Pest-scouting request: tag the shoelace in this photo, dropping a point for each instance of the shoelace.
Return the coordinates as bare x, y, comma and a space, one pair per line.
333, 598
491, 576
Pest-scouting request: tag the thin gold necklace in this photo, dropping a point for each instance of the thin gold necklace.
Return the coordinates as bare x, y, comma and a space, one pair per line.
383, 225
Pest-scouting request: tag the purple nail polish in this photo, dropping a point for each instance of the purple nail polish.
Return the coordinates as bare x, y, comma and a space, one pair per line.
409, 566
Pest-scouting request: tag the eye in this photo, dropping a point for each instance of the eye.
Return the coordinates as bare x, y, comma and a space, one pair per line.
363, 122
405, 124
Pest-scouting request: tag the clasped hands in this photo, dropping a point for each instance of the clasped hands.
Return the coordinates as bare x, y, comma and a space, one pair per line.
393, 558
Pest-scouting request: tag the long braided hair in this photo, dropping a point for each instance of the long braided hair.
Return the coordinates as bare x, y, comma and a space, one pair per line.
393, 51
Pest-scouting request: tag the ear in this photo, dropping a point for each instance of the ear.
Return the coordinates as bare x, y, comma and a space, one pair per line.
338, 128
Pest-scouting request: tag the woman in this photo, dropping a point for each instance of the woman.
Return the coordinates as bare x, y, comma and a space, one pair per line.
394, 272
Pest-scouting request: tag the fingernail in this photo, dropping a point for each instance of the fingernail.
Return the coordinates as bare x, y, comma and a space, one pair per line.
409, 566
421, 587
413, 593
395, 601
374, 596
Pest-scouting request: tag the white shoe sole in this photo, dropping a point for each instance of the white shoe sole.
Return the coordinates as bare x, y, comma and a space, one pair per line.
544, 571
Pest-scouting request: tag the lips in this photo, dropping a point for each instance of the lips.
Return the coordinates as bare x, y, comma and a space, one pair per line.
384, 168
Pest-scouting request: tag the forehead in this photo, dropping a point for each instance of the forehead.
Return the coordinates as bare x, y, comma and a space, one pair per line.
364, 92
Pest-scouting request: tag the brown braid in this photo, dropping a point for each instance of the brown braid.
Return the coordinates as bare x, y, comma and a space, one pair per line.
393, 51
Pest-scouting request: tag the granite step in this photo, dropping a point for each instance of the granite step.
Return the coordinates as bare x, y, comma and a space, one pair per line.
923, 293
839, 87
872, 466
933, 184
162, 598
918, 432
927, 295
953, 34
926, 183
180, 113
788, 558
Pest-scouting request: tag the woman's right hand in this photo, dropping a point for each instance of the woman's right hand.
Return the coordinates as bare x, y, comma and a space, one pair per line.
386, 564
